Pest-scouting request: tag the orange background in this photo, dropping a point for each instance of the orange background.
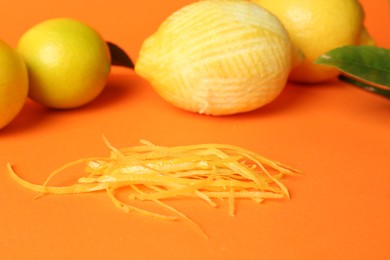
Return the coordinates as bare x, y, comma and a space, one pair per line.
337, 134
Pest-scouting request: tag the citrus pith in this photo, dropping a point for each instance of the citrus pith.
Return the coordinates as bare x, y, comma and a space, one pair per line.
217, 57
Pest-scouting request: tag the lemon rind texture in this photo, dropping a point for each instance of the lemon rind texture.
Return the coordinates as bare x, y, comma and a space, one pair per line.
217, 57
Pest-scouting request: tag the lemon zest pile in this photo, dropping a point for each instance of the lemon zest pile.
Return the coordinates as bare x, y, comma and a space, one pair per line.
154, 173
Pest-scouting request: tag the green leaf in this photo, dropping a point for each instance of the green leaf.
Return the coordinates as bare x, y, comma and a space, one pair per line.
368, 63
119, 57
376, 90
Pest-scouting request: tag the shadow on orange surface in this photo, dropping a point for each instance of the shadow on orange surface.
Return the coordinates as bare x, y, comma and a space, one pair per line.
31, 115
292, 97
119, 87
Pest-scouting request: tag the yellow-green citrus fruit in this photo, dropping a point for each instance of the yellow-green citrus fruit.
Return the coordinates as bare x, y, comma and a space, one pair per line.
316, 27
217, 57
13, 84
68, 62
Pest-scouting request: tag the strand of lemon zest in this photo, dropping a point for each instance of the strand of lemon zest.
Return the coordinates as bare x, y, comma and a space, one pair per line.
282, 187
239, 150
183, 216
150, 179
244, 194
198, 173
206, 198
231, 201
238, 167
67, 166
254, 195
71, 189
172, 209
177, 165
258, 200
112, 148
65, 190
176, 192
153, 187
146, 142
129, 208
241, 184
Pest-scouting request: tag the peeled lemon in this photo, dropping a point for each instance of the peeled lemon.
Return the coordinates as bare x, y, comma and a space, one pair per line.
217, 57
68, 62
316, 27
13, 84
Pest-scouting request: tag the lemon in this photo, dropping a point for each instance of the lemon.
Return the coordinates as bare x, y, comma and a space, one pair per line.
317, 26
217, 57
68, 62
13, 84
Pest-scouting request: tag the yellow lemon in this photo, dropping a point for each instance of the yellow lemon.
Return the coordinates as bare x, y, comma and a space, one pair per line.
217, 57
317, 26
13, 84
68, 62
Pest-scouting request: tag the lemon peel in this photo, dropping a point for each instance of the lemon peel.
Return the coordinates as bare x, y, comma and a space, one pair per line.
13, 84
67, 60
316, 27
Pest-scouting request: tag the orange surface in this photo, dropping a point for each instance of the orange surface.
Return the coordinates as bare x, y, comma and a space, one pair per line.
337, 134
